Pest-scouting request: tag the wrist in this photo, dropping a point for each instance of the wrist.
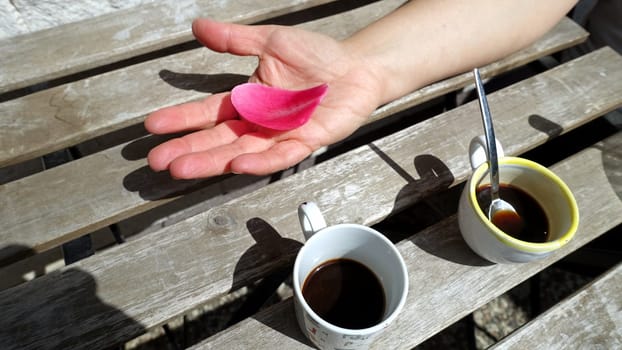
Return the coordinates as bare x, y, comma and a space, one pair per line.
371, 72
391, 77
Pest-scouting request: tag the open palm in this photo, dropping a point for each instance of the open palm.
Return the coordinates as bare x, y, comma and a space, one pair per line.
289, 58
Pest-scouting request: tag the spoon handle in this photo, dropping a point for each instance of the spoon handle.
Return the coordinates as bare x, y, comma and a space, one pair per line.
493, 163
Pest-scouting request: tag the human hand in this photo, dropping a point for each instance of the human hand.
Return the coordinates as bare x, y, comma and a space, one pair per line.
289, 58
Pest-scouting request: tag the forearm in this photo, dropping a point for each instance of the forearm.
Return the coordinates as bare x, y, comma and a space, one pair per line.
428, 40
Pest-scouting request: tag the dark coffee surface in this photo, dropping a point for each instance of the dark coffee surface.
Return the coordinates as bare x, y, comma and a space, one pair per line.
345, 293
531, 224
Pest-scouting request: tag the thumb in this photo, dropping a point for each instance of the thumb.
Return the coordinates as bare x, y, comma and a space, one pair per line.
237, 39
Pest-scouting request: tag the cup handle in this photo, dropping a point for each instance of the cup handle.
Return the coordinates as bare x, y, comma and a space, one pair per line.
477, 151
311, 219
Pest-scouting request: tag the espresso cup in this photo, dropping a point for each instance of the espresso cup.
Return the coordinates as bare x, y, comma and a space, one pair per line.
549, 192
335, 276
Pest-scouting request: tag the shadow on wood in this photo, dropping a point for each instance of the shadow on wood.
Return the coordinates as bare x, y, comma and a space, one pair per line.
612, 162
271, 252
51, 311
208, 83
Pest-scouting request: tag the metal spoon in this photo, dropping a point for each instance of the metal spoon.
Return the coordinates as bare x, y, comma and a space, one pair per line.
496, 204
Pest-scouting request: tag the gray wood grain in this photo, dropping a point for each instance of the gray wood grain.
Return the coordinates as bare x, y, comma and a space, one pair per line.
66, 115
106, 185
125, 186
27, 16
51, 53
11, 22
589, 319
52, 207
448, 281
146, 282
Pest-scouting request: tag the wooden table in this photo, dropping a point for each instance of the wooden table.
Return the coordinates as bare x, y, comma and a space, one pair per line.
206, 240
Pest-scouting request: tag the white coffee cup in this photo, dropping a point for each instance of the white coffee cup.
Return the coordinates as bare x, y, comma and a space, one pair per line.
551, 193
350, 241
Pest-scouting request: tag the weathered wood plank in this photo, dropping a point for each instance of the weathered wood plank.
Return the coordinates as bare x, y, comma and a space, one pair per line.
51, 260
51, 53
148, 281
589, 319
11, 22
46, 209
96, 197
69, 114
27, 16
126, 187
455, 281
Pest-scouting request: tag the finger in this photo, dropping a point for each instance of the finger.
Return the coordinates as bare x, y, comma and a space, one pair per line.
279, 157
160, 157
237, 39
192, 115
217, 161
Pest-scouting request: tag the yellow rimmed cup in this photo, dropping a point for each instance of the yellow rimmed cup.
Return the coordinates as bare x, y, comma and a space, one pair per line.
551, 193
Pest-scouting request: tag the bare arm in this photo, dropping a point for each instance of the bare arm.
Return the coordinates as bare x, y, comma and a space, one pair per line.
419, 43
428, 40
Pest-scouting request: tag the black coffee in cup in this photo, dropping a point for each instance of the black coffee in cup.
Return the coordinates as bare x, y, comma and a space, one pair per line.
345, 293
529, 223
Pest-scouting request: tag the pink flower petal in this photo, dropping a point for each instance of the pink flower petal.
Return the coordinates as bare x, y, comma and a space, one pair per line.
275, 108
